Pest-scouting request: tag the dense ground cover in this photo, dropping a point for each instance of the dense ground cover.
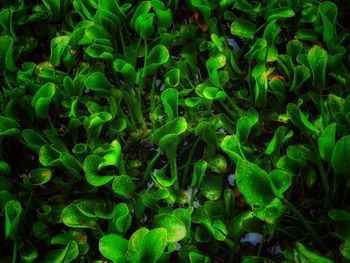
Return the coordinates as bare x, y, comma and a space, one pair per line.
174, 131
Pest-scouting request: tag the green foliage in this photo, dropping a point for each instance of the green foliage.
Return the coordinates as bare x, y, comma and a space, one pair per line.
174, 131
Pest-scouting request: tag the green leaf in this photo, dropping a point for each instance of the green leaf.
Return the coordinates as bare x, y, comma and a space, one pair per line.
8, 126
144, 25
90, 167
121, 218
254, 184
341, 155
345, 249
158, 56
135, 243
317, 58
212, 186
168, 135
328, 12
153, 244
172, 78
302, 254
27, 251
33, 139
126, 69
123, 186
49, 156
294, 48
299, 119
42, 99
164, 16
198, 173
243, 128
280, 181
176, 230
13, 212
6, 53
39, 176
213, 64
248, 7
300, 75
243, 28
66, 255
271, 212
113, 247
72, 217
197, 257
271, 32
170, 99
279, 138
99, 51
160, 177
58, 46
110, 13
339, 215
326, 142
143, 8
98, 82
112, 157
54, 8
203, 6
231, 146
280, 13
213, 93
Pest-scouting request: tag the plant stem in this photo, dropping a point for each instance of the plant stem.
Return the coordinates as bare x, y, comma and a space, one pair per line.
122, 42
153, 93
229, 243
14, 253
313, 234
174, 174
323, 173
187, 166
149, 169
